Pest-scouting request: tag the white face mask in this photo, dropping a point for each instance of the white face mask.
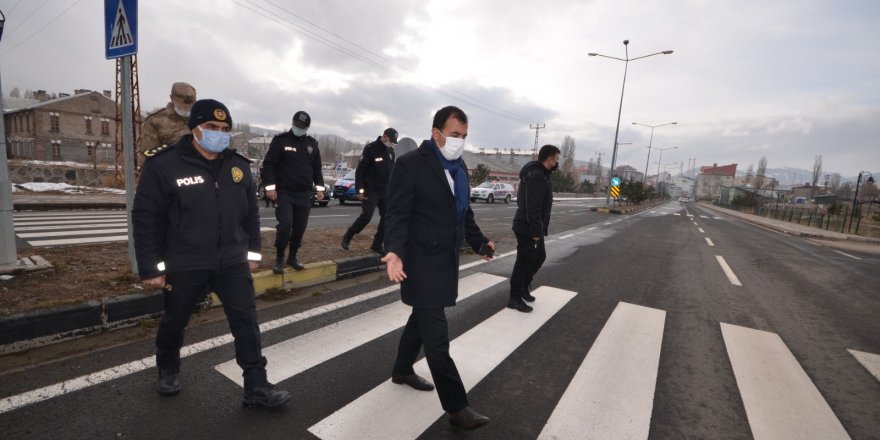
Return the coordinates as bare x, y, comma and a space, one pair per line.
298, 132
182, 113
453, 148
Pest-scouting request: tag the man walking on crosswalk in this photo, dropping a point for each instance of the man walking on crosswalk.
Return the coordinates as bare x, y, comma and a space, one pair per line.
427, 221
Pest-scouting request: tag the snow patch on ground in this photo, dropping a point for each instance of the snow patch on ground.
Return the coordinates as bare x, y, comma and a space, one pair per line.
64, 187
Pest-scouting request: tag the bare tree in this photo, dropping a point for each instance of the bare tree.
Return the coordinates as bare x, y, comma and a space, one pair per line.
836, 178
817, 171
568, 148
761, 173
750, 174
15, 93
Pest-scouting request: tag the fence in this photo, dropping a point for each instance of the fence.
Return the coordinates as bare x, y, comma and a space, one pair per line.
863, 223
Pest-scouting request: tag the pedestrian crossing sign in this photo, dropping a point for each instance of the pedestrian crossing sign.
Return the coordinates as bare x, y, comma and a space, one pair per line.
120, 28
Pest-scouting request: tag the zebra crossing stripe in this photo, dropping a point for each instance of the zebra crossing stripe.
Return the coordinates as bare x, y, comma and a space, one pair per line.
62, 222
78, 240
69, 233
780, 400
71, 228
870, 361
612, 393
293, 356
396, 411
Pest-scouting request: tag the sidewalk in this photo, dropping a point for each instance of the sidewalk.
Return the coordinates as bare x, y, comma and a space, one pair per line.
791, 228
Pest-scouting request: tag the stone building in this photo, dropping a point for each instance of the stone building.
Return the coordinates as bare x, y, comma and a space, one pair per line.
76, 128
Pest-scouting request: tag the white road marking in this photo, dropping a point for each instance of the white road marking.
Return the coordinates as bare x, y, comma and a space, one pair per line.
781, 401
676, 213
78, 240
19, 220
62, 222
69, 233
324, 216
703, 216
612, 393
709, 242
868, 360
701, 230
814, 243
652, 212
728, 271
590, 229
397, 411
848, 255
606, 223
51, 391
71, 228
690, 215
298, 354
565, 236
718, 218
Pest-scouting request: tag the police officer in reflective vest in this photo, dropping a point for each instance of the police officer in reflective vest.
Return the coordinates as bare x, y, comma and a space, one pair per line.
370, 180
196, 224
292, 173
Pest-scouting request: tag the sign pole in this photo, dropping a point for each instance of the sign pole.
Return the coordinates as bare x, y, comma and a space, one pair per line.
128, 151
7, 242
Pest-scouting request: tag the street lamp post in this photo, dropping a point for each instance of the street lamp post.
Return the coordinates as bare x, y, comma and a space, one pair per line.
650, 143
8, 254
856, 201
660, 160
626, 61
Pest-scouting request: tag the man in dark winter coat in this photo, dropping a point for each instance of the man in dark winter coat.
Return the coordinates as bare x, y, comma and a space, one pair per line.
196, 224
534, 199
428, 220
292, 172
370, 181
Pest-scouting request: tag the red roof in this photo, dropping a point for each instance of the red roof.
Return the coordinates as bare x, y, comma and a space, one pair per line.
724, 170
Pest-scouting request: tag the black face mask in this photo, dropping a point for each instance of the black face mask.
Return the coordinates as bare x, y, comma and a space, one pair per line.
554, 167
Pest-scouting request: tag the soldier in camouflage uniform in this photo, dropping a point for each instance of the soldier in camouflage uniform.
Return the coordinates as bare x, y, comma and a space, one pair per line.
168, 125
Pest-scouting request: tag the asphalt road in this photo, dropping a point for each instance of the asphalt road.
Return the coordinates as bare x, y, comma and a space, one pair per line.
638, 332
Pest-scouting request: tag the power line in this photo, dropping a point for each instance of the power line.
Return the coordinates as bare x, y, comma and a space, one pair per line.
13, 8
41, 29
298, 28
21, 23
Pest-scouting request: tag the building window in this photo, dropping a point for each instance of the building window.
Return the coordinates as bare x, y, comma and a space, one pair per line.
105, 127
56, 150
108, 152
27, 122
88, 125
90, 149
54, 122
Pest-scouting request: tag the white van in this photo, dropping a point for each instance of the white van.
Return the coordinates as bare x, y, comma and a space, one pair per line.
492, 191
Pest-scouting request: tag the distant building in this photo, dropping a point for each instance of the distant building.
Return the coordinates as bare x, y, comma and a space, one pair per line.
626, 172
711, 180
78, 128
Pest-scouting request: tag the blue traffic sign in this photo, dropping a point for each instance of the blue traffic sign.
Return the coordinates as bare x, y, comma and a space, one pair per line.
120, 28
615, 181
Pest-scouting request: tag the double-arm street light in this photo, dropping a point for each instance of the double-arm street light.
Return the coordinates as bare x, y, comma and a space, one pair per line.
650, 143
856, 205
620, 109
661, 160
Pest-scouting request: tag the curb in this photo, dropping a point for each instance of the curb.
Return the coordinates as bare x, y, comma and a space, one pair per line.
627, 210
37, 328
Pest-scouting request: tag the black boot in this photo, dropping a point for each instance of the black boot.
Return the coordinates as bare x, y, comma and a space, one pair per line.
291, 259
527, 293
346, 239
168, 383
266, 395
278, 268
517, 303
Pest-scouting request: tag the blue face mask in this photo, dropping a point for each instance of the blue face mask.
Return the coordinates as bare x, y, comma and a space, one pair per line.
214, 141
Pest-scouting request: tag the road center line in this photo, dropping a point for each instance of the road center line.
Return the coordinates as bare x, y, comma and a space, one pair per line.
565, 236
709, 242
701, 230
728, 271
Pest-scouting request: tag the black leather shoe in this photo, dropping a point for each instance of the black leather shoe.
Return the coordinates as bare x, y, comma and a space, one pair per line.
168, 383
467, 419
266, 396
519, 304
346, 241
526, 295
413, 380
296, 265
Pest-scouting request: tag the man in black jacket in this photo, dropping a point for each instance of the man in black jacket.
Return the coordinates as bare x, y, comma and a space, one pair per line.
196, 224
534, 199
370, 181
292, 172
428, 220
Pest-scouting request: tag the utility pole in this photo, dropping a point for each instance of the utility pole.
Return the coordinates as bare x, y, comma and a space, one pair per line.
537, 128
8, 254
599, 167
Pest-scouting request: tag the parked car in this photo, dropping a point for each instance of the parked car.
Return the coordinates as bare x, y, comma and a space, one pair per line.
344, 189
491, 191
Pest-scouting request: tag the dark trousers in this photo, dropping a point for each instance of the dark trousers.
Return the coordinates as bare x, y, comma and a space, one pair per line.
368, 206
428, 328
292, 213
235, 288
530, 255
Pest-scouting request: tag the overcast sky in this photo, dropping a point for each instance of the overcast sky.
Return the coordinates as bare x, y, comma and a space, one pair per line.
785, 79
